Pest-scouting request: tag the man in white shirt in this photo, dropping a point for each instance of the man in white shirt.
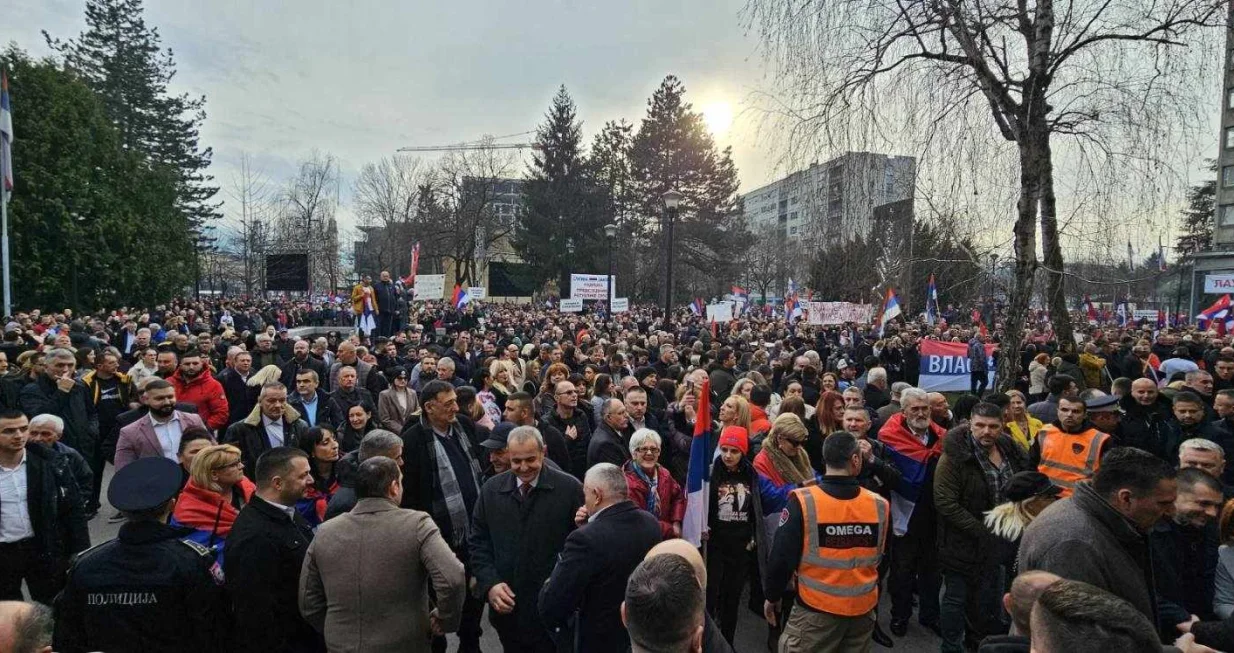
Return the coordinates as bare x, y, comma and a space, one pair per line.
42, 519
273, 424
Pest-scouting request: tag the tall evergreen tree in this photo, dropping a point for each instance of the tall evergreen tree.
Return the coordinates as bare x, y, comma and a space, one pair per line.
87, 214
1197, 223
560, 227
673, 150
122, 60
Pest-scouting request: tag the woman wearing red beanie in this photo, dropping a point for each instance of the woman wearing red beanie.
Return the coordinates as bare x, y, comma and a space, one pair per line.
733, 531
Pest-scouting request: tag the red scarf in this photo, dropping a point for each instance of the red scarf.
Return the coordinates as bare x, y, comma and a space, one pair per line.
207, 510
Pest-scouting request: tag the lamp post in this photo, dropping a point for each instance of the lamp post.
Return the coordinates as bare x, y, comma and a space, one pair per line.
993, 262
610, 232
672, 200
78, 219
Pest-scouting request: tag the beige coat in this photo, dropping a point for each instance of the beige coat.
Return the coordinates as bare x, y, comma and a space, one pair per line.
390, 415
365, 579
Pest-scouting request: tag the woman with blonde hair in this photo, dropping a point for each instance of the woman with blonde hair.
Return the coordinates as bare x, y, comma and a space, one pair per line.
212, 499
735, 411
1022, 426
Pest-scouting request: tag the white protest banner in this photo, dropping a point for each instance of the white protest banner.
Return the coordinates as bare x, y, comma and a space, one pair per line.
571, 306
838, 312
1144, 314
720, 313
430, 287
621, 304
1216, 284
589, 286
477, 292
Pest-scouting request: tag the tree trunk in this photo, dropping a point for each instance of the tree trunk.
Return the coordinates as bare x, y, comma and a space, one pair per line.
1052, 253
1032, 162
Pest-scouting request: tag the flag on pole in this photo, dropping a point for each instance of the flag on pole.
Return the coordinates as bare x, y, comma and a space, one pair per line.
1216, 315
699, 472
792, 288
891, 309
714, 333
410, 280
1160, 255
1122, 313
1090, 310
742, 299
6, 133
697, 307
461, 297
931, 301
1130, 256
1160, 318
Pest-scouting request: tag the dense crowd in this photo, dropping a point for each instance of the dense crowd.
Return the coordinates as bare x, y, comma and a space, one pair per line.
372, 490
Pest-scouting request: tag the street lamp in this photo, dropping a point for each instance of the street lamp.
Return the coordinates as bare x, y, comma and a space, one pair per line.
78, 219
672, 200
610, 232
993, 262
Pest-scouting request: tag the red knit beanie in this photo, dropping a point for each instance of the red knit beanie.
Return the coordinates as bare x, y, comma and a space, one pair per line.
736, 437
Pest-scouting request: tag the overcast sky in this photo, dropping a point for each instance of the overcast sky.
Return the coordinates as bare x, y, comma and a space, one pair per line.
360, 79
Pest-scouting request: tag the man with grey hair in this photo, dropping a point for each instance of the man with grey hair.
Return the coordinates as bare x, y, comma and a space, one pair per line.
47, 430
591, 574
271, 424
918, 441
445, 372
876, 395
519, 526
378, 442
57, 392
608, 442
25, 627
893, 406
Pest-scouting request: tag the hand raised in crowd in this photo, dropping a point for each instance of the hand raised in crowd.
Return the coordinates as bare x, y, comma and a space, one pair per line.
65, 383
572, 432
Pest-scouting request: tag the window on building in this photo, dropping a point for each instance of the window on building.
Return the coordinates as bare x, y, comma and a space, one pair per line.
1229, 99
1227, 177
792, 231
1225, 217
792, 216
1229, 138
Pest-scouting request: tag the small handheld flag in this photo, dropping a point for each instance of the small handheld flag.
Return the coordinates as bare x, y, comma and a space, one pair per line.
6, 133
931, 302
461, 297
410, 279
891, 309
698, 476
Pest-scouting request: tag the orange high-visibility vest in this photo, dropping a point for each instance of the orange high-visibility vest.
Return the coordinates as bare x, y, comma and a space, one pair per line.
1068, 458
841, 549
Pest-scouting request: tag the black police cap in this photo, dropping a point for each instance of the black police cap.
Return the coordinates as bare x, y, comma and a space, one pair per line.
144, 484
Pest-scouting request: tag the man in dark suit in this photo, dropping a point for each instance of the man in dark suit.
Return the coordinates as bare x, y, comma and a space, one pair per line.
591, 574
387, 304
520, 524
608, 444
235, 378
272, 424
263, 557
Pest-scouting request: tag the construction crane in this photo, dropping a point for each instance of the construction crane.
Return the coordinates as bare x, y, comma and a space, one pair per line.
486, 144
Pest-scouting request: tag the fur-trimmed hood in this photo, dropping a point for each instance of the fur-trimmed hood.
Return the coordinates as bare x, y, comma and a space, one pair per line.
1007, 520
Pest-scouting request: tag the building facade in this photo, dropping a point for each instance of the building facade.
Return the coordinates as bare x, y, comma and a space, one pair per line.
836, 199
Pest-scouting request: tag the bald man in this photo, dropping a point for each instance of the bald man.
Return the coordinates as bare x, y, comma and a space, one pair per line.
1019, 604
25, 627
713, 639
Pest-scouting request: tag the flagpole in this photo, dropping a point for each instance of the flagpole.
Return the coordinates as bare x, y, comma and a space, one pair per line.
4, 252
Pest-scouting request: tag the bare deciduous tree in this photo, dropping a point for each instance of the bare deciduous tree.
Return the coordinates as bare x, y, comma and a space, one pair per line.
250, 191
1110, 78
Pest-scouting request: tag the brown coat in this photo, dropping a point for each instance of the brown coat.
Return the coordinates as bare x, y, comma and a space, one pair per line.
365, 579
390, 415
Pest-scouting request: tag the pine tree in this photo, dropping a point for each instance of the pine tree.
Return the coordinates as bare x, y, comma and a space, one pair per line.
1197, 222
122, 60
673, 150
560, 226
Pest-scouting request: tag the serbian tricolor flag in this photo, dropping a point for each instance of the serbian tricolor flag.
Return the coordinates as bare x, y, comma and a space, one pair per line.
931, 302
461, 298
6, 133
699, 473
410, 280
912, 457
697, 307
714, 333
891, 309
742, 298
1216, 316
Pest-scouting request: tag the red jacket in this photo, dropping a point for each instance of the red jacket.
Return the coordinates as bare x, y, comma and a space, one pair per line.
208, 511
206, 393
670, 501
758, 420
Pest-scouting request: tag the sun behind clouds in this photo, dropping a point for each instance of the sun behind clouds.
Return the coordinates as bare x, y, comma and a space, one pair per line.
719, 117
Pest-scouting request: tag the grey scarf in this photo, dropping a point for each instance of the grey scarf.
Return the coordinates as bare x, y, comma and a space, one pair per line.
450, 505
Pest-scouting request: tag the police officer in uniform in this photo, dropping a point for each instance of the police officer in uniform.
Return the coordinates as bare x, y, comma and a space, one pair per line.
832, 535
149, 590
1070, 449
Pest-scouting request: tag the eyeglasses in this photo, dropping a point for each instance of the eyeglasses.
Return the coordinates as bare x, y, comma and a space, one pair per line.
647, 450
236, 465
793, 442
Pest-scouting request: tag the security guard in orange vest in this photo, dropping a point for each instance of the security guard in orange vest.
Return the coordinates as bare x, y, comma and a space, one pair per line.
1069, 450
831, 537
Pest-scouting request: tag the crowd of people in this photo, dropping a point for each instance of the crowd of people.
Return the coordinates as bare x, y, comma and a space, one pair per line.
373, 490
